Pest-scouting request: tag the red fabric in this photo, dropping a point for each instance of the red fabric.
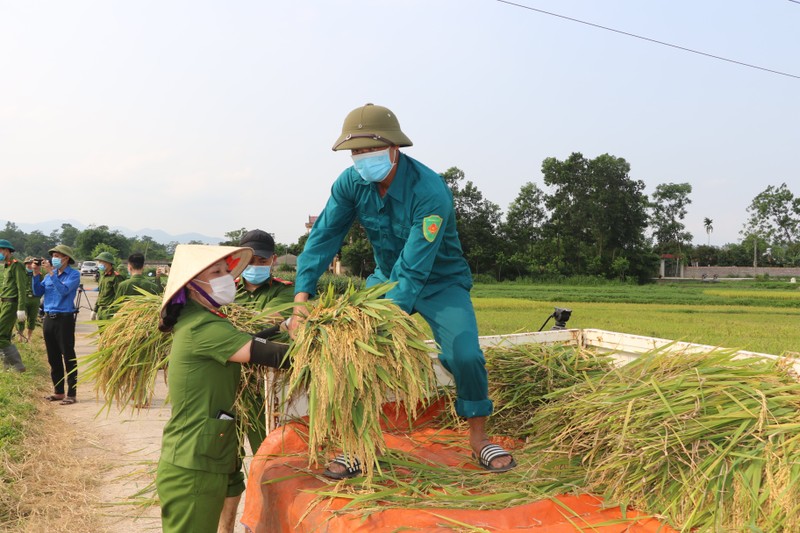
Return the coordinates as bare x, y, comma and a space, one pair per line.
283, 506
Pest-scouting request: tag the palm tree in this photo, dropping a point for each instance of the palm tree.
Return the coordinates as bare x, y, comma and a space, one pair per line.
707, 222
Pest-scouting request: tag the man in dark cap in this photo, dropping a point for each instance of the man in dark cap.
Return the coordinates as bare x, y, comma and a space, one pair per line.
257, 285
13, 288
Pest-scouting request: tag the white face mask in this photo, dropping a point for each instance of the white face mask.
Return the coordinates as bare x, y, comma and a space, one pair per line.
223, 289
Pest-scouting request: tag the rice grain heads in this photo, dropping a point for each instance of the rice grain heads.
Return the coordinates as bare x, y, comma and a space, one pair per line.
708, 440
354, 353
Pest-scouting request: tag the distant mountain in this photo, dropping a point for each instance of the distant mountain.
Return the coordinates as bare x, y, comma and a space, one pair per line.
157, 235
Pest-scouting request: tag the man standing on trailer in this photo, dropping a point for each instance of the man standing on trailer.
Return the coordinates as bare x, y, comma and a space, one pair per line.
407, 211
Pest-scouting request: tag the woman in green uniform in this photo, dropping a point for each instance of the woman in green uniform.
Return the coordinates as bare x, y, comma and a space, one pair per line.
199, 468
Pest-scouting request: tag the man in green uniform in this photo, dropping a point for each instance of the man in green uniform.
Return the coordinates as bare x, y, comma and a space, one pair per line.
12, 304
258, 288
109, 279
407, 211
31, 306
136, 280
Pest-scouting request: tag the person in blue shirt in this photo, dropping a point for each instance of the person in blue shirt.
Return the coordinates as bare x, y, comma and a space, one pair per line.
59, 287
408, 214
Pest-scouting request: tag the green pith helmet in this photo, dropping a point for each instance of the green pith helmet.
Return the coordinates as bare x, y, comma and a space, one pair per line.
5, 244
105, 256
63, 249
370, 126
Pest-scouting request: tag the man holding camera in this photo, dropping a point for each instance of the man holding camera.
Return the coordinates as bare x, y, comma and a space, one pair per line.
12, 305
59, 287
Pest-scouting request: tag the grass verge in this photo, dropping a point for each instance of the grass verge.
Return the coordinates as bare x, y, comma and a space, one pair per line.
44, 483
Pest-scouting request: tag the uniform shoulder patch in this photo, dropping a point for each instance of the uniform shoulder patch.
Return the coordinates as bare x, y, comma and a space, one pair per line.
279, 280
430, 227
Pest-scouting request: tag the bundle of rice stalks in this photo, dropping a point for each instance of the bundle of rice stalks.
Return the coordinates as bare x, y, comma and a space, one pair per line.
704, 441
131, 351
352, 354
707, 440
522, 376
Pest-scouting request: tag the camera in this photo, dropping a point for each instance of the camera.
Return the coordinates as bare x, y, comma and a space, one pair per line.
38, 261
561, 316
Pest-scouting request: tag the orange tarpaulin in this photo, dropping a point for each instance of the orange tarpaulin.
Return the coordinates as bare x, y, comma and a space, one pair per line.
287, 505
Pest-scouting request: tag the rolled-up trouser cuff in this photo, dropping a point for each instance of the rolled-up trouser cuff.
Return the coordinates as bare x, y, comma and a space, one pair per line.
473, 409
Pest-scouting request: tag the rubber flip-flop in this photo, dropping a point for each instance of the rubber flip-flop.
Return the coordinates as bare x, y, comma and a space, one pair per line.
69, 400
352, 467
54, 398
489, 453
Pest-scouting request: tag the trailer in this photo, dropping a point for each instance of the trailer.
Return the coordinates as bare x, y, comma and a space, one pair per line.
290, 505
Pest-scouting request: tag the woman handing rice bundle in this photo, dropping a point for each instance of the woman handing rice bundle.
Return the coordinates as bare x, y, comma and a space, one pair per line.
199, 474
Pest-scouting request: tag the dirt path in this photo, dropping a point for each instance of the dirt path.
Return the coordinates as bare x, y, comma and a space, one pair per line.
127, 445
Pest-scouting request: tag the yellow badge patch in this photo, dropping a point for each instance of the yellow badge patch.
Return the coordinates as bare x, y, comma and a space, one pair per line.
430, 227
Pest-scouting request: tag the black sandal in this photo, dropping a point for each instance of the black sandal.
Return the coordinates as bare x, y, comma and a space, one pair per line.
489, 453
352, 467
54, 397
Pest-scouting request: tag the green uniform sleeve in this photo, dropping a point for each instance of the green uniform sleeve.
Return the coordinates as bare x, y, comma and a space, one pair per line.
23, 283
218, 340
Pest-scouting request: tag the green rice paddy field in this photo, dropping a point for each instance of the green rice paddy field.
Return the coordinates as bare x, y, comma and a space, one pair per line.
757, 316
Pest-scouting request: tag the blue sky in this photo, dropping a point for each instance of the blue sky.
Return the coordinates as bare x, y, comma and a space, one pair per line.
208, 116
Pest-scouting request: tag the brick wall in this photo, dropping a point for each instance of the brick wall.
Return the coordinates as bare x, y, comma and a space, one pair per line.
739, 272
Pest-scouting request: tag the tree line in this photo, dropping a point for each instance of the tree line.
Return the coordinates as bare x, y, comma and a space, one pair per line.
90, 242
593, 220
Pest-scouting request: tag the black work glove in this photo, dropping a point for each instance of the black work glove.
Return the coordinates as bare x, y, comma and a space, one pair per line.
269, 332
268, 353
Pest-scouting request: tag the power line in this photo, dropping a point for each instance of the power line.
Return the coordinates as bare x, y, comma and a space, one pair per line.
654, 40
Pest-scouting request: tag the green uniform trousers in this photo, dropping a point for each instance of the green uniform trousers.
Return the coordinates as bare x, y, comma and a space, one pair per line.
192, 500
8, 318
32, 310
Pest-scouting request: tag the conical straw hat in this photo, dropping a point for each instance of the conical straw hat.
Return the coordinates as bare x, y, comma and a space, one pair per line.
191, 259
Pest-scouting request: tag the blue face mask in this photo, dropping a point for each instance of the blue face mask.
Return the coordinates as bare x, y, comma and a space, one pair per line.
101, 267
28, 270
256, 274
56, 262
2, 256
373, 166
